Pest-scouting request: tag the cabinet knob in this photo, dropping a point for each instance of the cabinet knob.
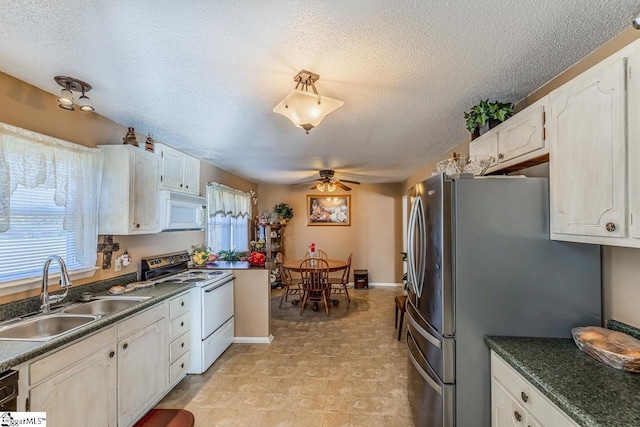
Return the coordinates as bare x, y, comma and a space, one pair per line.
501, 156
182, 365
180, 185
111, 354
610, 227
137, 225
187, 186
124, 346
182, 345
182, 303
517, 415
524, 396
181, 323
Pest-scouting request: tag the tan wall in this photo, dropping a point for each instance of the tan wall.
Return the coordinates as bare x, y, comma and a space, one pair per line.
28, 107
374, 235
621, 266
252, 305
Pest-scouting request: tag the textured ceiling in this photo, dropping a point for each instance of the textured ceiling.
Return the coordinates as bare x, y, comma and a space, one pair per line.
204, 76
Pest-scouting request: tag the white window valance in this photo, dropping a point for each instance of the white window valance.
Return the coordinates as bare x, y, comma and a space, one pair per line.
34, 160
227, 201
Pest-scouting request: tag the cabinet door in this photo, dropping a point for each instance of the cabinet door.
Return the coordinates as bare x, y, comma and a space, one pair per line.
172, 169
586, 136
633, 128
522, 133
485, 145
191, 175
142, 371
505, 411
83, 395
144, 193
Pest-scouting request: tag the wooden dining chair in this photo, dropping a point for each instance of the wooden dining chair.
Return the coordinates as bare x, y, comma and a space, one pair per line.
290, 286
316, 287
320, 254
339, 285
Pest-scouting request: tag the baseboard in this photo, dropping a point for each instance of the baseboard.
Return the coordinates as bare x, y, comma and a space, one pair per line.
383, 285
253, 340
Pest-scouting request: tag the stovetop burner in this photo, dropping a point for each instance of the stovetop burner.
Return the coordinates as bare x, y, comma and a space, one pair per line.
174, 268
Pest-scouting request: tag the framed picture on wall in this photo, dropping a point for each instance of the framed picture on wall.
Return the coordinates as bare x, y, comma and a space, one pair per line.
323, 210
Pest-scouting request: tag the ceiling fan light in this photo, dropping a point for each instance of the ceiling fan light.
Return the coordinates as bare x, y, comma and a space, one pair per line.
320, 186
331, 187
66, 97
305, 109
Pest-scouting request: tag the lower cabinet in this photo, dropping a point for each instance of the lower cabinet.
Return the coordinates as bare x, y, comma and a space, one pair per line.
179, 337
109, 379
79, 385
515, 402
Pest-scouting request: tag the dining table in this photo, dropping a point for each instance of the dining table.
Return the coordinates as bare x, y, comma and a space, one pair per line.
334, 265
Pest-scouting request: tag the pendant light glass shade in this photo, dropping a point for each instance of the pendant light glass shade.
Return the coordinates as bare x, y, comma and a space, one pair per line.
331, 187
85, 103
305, 109
320, 186
66, 97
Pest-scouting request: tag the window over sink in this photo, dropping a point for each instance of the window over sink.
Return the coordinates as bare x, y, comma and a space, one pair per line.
228, 213
48, 205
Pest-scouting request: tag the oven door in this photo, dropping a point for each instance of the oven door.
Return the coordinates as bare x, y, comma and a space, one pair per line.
431, 400
217, 306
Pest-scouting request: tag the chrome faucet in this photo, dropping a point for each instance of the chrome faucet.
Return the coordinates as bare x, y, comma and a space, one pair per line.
45, 299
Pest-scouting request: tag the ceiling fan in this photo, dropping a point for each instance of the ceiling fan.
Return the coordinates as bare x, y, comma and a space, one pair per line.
328, 182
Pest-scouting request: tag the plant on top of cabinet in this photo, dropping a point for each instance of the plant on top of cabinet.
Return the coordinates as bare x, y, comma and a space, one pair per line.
486, 115
284, 210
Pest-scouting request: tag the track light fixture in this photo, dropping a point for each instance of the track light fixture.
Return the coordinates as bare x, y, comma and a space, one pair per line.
70, 85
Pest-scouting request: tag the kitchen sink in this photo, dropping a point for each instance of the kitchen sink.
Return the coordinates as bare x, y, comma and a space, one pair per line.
104, 306
44, 328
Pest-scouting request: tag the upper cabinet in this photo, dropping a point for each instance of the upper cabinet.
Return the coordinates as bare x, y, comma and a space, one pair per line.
178, 171
594, 147
129, 193
517, 142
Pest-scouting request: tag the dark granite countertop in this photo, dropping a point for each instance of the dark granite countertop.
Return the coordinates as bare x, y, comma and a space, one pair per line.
13, 353
588, 391
229, 265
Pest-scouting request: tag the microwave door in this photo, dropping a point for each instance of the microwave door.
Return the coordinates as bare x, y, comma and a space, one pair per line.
184, 215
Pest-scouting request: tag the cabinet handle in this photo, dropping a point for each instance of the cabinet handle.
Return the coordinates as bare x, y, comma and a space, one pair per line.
180, 185
182, 345
610, 227
182, 366
187, 186
111, 354
182, 303
524, 396
517, 415
501, 156
124, 346
181, 323
137, 225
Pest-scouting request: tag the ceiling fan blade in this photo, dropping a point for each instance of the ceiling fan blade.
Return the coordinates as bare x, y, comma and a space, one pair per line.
341, 185
350, 182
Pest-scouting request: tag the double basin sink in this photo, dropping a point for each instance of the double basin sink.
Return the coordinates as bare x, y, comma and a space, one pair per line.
49, 326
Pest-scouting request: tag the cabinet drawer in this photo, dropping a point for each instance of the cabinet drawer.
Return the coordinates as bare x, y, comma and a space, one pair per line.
141, 320
179, 368
179, 326
179, 305
69, 356
179, 346
533, 401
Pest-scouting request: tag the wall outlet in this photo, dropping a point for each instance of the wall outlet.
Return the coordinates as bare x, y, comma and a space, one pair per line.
119, 263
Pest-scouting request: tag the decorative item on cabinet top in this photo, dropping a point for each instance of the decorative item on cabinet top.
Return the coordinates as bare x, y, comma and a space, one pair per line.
486, 115
130, 137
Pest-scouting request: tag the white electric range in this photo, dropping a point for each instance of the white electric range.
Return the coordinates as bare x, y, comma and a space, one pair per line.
212, 315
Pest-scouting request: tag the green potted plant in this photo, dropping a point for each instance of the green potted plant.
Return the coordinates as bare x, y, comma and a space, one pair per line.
486, 115
284, 211
231, 255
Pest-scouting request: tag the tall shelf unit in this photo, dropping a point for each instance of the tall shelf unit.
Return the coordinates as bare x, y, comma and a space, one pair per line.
273, 235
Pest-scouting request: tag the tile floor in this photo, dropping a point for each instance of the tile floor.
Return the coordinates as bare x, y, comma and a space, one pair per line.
347, 369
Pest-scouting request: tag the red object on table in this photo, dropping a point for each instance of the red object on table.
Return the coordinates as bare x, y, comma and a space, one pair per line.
256, 258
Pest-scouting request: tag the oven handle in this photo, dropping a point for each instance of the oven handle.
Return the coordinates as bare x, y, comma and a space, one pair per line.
219, 285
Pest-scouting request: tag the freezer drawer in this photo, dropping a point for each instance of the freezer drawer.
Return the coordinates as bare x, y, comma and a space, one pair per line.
432, 401
438, 351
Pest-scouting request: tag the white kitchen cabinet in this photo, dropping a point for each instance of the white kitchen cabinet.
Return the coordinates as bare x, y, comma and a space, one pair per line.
179, 337
129, 193
516, 402
517, 142
76, 386
142, 364
178, 171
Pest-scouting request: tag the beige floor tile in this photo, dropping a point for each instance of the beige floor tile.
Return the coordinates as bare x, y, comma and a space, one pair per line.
347, 369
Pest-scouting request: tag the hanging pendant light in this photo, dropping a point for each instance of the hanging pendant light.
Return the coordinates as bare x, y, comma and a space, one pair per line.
305, 109
70, 85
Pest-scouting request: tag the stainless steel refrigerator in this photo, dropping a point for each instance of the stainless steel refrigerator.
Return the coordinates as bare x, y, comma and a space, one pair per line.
480, 262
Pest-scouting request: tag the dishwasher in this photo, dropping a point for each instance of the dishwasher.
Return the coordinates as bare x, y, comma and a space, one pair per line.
9, 391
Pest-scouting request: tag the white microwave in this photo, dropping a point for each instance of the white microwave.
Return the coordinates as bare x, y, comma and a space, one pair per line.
178, 211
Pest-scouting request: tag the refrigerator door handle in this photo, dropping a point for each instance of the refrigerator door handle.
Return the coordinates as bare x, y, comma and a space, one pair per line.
434, 385
433, 340
422, 245
411, 256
